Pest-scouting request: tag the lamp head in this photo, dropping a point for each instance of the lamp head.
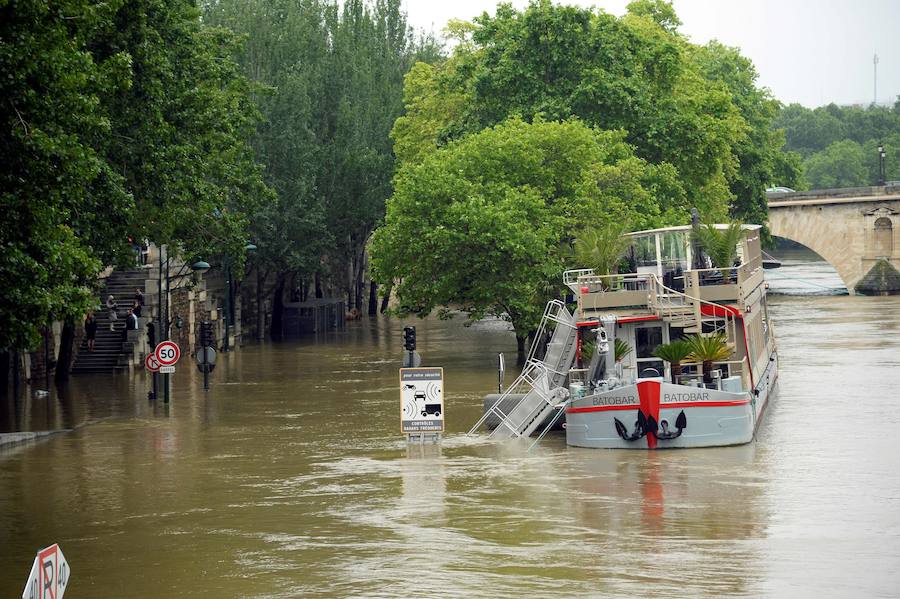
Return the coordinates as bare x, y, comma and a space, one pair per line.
200, 266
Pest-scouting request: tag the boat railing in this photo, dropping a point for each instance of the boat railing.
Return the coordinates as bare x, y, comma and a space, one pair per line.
720, 284
605, 283
692, 372
692, 313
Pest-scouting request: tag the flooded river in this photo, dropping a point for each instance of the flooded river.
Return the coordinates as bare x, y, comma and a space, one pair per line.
289, 478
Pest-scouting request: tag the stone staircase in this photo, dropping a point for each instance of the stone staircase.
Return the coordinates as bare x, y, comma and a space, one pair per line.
113, 350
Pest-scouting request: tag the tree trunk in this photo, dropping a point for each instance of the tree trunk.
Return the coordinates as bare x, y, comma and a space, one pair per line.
386, 298
260, 304
66, 342
373, 298
278, 307
319, 294
520, 347
4, 373
360, 281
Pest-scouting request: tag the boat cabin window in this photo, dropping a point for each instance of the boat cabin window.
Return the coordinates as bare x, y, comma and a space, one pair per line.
644, 254
646, 340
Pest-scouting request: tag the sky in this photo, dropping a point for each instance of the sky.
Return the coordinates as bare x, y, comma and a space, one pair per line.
812, 52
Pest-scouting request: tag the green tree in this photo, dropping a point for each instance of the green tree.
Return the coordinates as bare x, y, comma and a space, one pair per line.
479, 225
601, 248
720, 244
761, 162
555, 62
331, 80
179, 131
58, 195
841, 164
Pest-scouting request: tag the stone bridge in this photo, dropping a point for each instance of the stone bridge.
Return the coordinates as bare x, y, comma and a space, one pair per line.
857, 230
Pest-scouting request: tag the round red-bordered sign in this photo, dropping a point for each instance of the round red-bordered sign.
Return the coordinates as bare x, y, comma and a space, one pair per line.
167, 353
151, 364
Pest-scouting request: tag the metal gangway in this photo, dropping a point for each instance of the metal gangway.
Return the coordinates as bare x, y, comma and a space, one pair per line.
542, 381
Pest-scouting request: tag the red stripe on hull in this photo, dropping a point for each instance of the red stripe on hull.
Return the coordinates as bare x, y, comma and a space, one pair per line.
664, 406
601, 409
649, 394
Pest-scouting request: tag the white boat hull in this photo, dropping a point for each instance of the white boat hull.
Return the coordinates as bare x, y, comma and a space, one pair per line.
712, 417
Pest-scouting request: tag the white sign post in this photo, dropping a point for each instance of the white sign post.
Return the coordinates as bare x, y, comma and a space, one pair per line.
49, 576
422, 402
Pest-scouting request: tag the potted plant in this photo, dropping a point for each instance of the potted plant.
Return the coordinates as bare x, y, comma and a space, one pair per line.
708, 349
720, 245
622, 349
674, 353
601, 249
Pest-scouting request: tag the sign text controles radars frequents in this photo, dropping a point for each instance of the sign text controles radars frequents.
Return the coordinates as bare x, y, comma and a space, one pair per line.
421, 400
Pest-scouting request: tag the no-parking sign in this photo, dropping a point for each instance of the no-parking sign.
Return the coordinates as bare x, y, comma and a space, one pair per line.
150, 363
49, 575
167, 353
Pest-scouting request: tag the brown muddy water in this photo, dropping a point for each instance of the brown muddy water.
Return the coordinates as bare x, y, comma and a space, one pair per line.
289, 478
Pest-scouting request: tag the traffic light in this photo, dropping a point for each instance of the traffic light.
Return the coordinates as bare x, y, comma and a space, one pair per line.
409, 338
207, 337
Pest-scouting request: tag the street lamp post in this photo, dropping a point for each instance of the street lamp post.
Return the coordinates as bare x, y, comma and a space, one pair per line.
162, 314
228, 314
881, 177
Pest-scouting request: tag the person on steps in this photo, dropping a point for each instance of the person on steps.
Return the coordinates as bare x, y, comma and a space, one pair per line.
90, 330
111, 307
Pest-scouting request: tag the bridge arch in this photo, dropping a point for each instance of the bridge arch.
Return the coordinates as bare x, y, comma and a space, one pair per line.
825, 236
854, 230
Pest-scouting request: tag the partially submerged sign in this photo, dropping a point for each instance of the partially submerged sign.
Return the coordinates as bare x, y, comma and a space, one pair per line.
421, 400
49, 575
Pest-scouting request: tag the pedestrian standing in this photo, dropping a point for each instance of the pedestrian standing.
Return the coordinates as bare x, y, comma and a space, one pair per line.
111, 308
136, 308
131, 323
90, 330
139, 297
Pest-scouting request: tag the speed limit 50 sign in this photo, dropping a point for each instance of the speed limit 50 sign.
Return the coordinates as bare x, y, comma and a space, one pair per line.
167, 353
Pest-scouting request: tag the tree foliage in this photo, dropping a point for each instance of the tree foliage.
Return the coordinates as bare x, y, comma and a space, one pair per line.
696, 110
838, 143
689, 124
720, 244
479, 224
124, 119
330, 83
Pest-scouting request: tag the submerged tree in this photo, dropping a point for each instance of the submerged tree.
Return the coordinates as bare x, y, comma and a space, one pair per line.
479, 225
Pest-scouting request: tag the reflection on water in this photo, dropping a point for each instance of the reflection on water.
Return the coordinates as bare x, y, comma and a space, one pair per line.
289, 478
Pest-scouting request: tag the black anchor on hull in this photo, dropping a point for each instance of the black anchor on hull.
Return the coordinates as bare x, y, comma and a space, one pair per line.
641, 427
647, 426
680, 425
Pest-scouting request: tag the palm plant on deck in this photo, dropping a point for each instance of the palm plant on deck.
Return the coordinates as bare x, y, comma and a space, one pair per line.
720, 244
708, 349
600, 248
674, 353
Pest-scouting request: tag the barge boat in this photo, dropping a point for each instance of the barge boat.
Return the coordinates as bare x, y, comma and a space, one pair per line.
601, 373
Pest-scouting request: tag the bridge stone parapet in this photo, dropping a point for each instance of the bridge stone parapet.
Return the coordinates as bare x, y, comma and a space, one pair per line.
857, 230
